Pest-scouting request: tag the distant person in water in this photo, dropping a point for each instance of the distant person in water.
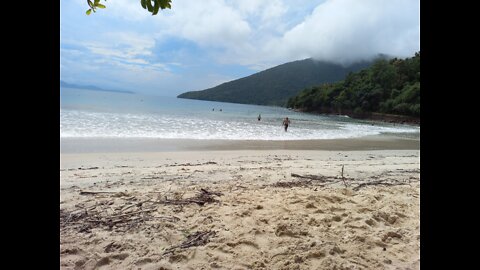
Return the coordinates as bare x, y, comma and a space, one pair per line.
286, 122
259, 117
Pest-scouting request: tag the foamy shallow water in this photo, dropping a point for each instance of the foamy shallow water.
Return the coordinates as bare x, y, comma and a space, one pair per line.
134, 116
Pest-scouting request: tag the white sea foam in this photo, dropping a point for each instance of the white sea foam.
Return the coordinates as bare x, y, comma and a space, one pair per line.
90, 114
87, 124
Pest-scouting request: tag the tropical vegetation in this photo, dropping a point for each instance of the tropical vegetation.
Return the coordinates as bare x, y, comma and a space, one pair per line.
387, 86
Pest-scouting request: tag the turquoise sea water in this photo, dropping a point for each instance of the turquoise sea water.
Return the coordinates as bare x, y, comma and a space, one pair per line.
96, 114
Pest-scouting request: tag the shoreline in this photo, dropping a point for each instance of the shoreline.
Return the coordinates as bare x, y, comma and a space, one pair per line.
371, 116
95, 145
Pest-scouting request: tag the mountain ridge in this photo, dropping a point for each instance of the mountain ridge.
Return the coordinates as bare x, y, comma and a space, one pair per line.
274, 86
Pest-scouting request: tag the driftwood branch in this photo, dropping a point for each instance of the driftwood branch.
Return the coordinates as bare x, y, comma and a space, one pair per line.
380, 182
195, 239
83, 192
201, 199
204, 191
312, 177
325, 180
90, 168
291, 184
104, 214
343, 178
190, 164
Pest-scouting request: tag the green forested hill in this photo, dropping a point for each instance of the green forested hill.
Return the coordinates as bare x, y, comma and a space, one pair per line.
276, 85
387, 87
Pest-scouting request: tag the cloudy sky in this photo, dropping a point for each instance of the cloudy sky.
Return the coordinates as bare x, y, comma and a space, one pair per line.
200, 44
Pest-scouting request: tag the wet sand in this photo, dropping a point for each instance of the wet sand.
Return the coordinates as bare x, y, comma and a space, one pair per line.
79, 145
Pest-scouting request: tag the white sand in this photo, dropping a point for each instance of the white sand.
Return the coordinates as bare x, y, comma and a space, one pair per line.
256, 225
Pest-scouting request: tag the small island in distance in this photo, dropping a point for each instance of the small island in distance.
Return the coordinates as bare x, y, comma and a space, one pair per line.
91, 88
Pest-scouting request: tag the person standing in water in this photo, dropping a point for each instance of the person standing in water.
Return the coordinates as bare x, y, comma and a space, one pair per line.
286, 122
259, 117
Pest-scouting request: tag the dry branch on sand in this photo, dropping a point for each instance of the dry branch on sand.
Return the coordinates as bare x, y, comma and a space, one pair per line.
119, 211
131, 211
326, 180
193, 240
201, 199
381, 183
84, 192
313, 180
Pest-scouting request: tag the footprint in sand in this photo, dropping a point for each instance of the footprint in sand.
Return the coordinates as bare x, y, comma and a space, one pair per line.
332, 199
337, 218
317, 254
389, 235
310, 205
177, 258
386, 218
108, 259
103, 261
143, 261
370, 222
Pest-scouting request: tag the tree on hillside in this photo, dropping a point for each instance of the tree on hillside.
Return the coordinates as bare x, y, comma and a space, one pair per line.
152, 6
387, 86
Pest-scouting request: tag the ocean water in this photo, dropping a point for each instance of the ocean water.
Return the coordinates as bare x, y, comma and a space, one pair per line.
96, 114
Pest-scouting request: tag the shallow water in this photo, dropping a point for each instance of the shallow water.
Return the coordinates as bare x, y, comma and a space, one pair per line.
95, 114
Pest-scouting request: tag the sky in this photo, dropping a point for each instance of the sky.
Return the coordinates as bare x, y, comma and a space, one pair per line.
199, 44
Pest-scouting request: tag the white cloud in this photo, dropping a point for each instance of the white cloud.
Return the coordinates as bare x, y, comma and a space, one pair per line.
263, 9
348, 30
260, 34
257, 34
208, 23
122, 46
274, 10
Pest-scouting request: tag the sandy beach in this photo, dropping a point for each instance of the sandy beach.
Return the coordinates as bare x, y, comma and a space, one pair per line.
229, 208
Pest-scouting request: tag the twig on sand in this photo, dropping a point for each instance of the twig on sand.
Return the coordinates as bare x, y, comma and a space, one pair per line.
379, 182
325, 180
90, 168
195, 239
102, 214
343, 178
293, 184
102, 192
321, 178
210, 192
201, 199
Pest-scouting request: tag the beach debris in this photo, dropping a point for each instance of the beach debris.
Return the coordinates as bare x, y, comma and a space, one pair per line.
151, 177
381, 182
89, 168
198, 238
321, 178
343, 178
313, 180
121, 213
291, 184
190, 164
84, 192
203, 197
